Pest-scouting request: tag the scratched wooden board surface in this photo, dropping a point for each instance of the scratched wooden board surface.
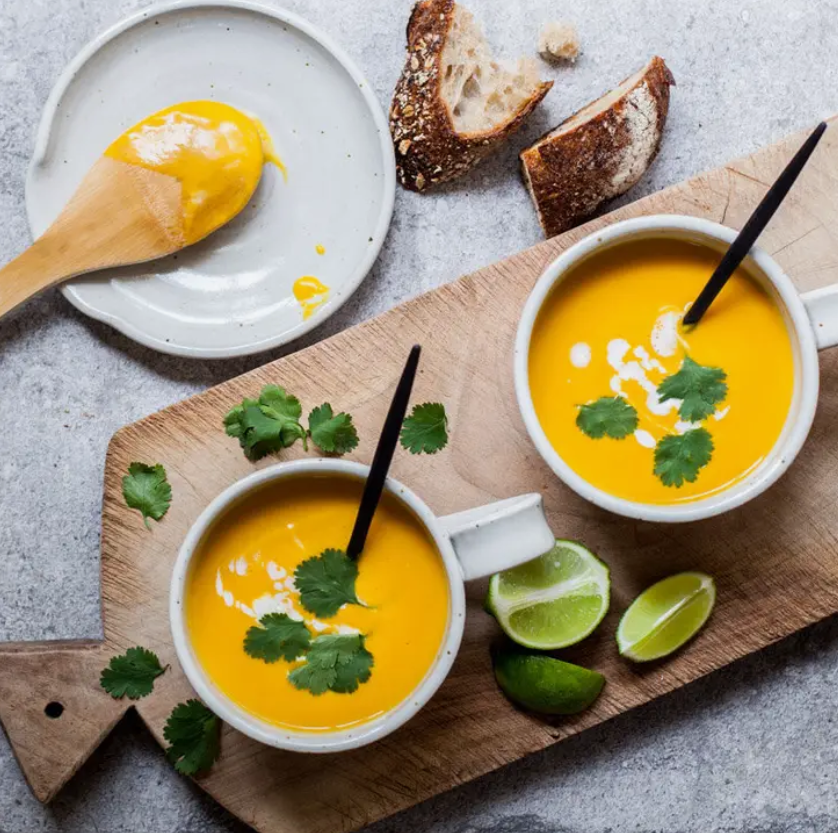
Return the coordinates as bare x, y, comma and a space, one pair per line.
775, 561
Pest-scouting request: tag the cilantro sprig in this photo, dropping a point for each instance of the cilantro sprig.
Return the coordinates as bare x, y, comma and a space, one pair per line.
335, 662
193, 733
277, 636
331, 662
131, 674
147, 489
679, 457
268, 424
699, 388
326, 582
333, 433
608, 416
273, 422
425, 430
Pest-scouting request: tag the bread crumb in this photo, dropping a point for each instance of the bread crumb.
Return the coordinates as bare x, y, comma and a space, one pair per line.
558, 41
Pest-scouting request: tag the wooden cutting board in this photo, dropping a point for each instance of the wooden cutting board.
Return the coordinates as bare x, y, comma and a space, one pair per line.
775, 561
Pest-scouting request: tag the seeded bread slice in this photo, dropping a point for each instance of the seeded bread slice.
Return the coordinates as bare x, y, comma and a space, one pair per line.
454, 104
599, 152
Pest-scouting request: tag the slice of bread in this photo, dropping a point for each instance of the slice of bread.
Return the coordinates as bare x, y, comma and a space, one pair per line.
599, 152
454, 104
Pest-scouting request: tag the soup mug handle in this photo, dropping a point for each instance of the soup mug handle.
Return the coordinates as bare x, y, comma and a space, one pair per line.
499, 535
822, 306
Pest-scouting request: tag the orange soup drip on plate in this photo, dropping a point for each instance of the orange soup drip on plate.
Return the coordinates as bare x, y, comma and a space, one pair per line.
612, 327
311, 294
244, 569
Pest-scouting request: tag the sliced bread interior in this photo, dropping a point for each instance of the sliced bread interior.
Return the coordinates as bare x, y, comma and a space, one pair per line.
454, 103
480, 93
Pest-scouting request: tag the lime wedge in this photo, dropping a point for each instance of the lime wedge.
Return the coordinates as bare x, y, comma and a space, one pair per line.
551, 602
665, 616
546, 685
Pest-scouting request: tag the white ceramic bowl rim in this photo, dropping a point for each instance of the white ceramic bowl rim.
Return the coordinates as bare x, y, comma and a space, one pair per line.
798, 422
277, 736
389, 168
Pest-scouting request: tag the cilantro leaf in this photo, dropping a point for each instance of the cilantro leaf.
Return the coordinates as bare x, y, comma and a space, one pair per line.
335, 662
146, 488
279, 637
326, 582
285, 408
334, 433
233, 419
678, 457
609, 416
426, 429
192, 731
266, 425
698, 387
131, 674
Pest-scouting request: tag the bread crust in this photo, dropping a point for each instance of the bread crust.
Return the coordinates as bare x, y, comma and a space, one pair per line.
571, 175
428, 149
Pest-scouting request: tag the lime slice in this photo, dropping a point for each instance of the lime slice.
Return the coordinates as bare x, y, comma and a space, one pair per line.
553, 601
546, 685
665, 616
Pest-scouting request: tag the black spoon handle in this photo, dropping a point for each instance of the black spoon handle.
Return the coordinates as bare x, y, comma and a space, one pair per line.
383, 455
753, 228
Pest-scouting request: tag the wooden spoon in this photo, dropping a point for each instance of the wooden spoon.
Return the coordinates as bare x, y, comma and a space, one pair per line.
120, 214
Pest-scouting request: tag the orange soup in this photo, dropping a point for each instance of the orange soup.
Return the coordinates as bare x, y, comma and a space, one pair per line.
245, 570
215, 151
608, 337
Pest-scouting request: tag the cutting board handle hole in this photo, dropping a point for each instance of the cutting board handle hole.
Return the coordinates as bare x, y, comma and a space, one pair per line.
54, 710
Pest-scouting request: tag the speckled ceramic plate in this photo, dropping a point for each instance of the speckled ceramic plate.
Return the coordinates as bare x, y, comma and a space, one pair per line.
231, 294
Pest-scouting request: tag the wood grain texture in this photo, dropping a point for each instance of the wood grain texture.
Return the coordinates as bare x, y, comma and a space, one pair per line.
775, 561
120, 214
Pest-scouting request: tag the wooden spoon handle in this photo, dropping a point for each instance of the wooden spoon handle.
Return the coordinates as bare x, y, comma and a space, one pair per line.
38, 268
120, 214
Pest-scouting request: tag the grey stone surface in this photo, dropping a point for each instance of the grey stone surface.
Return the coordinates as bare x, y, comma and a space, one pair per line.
752, 748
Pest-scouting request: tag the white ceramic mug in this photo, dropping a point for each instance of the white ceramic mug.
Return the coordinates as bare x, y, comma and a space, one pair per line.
812, 323
471, 544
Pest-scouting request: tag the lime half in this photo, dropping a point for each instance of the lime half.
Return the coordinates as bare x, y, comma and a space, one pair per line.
551, 602
665, 616
546, 685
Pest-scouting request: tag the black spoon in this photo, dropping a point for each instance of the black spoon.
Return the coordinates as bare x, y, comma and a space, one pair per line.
387, 443
753, 228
